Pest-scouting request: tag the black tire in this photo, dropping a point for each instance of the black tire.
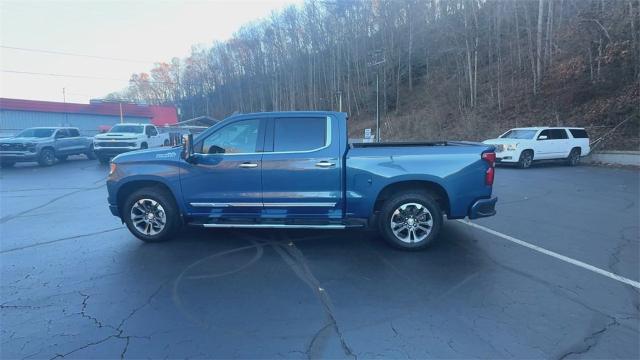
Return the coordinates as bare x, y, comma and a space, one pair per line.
91, 155
7, 164
144, 146
47, 157
104, 160
396, 202
574, 157
526, 159
166, 203
166, 143
62, 157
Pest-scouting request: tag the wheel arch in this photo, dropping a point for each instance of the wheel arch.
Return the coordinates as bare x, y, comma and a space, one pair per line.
47, 147
436, 190
533, 153
129, 187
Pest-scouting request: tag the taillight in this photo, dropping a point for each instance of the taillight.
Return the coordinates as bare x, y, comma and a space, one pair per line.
490, 158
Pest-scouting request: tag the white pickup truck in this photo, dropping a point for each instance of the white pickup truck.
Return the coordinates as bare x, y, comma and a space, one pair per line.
127, 137
521, 146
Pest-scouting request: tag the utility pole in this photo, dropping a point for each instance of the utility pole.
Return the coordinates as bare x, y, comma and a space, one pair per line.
339, 93
64, 101
378, 59
121, 117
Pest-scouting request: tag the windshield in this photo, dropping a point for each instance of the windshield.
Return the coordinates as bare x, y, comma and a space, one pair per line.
39, 133
127, 129
519, 134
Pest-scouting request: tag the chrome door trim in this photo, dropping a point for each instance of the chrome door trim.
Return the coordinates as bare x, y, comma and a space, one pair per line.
301, 204
250, 204
237, 204
274, 226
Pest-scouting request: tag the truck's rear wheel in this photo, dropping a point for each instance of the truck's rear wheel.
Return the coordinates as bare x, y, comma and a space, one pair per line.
410, 220
151, 214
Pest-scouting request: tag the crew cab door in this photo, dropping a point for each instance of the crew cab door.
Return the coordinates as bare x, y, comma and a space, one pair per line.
63, 143
225, 178
77, 144
302, 169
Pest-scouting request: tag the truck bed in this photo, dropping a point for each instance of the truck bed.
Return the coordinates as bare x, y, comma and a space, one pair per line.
415, 143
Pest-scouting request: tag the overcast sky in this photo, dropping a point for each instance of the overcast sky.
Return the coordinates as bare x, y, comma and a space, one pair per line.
148, 31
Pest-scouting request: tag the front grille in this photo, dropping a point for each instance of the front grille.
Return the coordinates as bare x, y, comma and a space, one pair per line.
115, 144
12, 147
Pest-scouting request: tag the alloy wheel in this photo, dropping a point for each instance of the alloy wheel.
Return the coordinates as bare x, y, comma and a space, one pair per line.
148, 217
411, 222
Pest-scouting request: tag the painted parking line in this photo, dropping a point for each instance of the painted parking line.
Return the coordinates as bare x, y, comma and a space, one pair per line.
555, 255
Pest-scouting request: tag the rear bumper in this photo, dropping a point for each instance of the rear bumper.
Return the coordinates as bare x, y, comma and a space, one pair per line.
483, 208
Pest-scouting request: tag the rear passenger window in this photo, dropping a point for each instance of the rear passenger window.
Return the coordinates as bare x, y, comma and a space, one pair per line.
558, 134
546, 133
299, 134
62, 133
73, 132
579, 133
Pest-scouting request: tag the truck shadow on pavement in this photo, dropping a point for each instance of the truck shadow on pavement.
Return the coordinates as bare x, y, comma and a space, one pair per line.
205, 271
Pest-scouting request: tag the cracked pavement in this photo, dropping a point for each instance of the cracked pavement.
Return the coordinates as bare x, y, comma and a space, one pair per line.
75, 284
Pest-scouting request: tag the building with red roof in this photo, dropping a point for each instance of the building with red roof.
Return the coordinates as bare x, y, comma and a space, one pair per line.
17, 114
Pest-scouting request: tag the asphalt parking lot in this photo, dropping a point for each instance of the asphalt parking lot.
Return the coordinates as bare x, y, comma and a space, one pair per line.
75, 283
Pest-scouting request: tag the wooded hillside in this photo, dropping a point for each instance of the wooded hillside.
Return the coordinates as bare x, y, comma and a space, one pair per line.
460, 69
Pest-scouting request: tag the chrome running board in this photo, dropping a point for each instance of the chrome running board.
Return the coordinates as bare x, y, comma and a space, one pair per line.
275, 226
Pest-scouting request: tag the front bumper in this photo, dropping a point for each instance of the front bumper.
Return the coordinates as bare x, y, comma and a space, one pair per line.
113, 151
483, 208
18, 156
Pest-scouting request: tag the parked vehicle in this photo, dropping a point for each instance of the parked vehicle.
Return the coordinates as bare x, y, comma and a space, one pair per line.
296, 170
44, 145
127, 137
522, 146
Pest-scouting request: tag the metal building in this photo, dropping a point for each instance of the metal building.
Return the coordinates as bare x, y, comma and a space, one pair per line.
16, 115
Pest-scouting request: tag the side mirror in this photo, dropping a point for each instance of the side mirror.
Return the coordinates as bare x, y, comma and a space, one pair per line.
542, 137
187, 147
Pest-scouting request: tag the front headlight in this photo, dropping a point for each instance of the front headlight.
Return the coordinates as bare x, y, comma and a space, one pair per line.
510, 146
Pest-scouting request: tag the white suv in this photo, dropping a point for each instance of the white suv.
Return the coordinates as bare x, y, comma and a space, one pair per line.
522, 146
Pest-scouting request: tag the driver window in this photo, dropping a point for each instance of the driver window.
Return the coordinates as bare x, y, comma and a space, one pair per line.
151, 131
237, 138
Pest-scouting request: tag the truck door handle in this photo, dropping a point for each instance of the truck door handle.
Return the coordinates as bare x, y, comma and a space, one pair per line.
325, 164
248, 165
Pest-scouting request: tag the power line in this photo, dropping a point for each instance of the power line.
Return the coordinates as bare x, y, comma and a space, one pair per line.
75, 54
78, 76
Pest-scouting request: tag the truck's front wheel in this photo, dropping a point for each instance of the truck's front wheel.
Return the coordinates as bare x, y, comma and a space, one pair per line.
151, 214
410, 220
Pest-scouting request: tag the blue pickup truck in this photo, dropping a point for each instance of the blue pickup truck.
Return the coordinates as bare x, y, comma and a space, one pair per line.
297, 170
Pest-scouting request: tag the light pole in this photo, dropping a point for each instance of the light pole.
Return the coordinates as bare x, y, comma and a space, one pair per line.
377, 61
